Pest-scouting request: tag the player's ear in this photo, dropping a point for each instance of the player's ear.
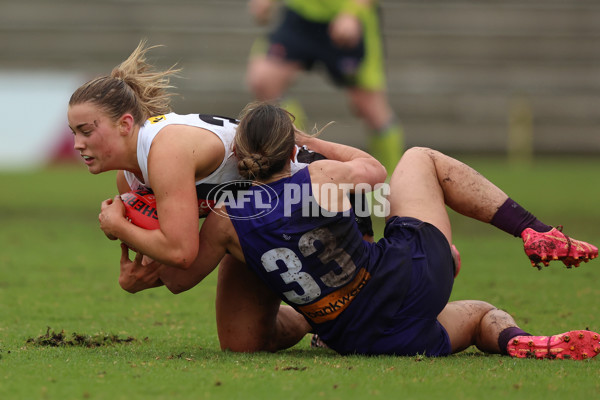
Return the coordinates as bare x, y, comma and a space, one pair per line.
294, 152
125, 124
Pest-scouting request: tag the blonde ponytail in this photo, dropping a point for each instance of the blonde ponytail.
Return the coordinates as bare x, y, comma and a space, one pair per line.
134, 86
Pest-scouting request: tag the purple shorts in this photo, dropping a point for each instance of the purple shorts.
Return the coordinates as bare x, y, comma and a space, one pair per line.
415, 328
396, 312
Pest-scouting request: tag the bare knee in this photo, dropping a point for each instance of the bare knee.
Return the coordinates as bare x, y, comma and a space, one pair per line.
240, 343
427, 159
483, 307
476, 323
417, 158
482, 310
371, 106
421, 152
268, 333
492, 324
246, 333
463, 321
268, 79
260, 87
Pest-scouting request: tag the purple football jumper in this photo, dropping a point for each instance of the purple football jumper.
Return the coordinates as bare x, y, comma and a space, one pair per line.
359, 297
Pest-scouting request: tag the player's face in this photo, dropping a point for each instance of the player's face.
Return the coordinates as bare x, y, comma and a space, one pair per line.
95, 137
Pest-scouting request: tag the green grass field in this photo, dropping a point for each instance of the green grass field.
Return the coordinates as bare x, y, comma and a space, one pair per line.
59, 272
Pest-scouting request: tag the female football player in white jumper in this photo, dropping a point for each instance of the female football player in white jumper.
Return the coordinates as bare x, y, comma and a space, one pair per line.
123, 122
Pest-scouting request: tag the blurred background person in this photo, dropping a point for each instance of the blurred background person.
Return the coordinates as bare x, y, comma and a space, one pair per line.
344, 37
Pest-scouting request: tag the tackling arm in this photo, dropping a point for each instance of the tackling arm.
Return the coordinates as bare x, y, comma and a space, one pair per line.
356, 165
214, 239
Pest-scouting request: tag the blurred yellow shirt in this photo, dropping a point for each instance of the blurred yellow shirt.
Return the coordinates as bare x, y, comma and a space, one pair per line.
325, 10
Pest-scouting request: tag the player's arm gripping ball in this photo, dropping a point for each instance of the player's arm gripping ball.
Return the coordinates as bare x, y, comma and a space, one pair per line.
140, 208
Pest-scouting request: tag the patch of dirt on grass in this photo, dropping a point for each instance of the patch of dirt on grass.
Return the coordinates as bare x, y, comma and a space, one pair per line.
53, 339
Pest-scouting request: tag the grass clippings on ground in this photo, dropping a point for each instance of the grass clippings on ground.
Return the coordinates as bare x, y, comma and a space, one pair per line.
53, 339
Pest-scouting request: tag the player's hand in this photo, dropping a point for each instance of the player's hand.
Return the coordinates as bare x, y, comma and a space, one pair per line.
302, 139
261, 10
345, 30
138, 274
112, 212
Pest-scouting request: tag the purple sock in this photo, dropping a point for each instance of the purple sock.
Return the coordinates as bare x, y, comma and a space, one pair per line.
506, 335
514, 219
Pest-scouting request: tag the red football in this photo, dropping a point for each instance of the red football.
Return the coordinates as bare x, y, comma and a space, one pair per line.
140, 208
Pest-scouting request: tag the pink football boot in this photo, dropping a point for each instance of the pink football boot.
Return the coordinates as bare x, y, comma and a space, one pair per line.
554, 245
574, 345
